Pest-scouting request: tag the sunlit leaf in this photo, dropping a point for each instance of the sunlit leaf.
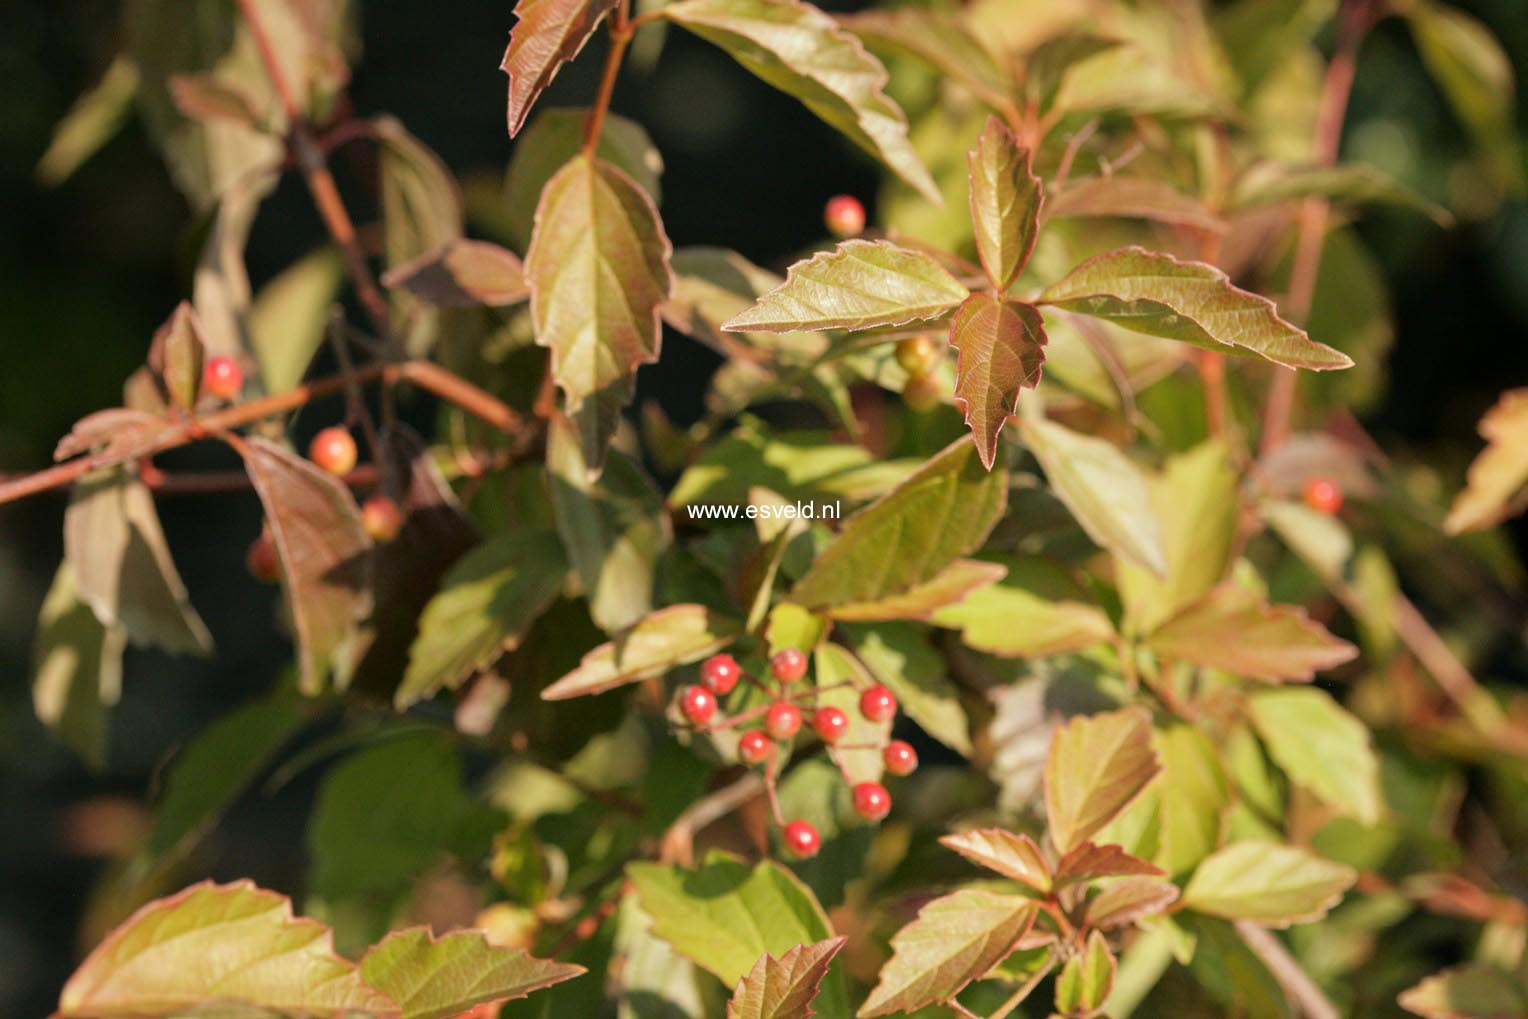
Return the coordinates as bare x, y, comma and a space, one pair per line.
1320, 746
1270, 884
1096, 766
1128, 900
464, 273
1087, 978
840, 678
675, 635
1471, 991
1015, 856
547, 34
857, 285
1192, 796
1037, 609
950, 587
901, 656
77, 668
1497, 476
433, 978
1090, 861
1189, 301
1005, 203
290, 314
940, 38
1002, 348
784, 988
1231, 628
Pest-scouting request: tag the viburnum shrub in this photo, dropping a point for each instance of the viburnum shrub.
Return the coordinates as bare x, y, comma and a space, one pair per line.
1084, 522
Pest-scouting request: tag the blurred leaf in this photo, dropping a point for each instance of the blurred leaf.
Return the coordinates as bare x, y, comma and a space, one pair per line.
1014, 856
1037, 609
1232, 972
233, 945
1086, 979
941, 38
1002, 349
1158, 295
801, 466
1261, 36
547, 34
1499, 473
671, 636
1047, 65
1471, 991
1127, 197
840, 678
463, 274
803, 52
221, 291
1320, 746
77, 668
421, 203
1096, 766
90, 123
857, 285
598, 268
1233, 629
1267, 183
1091, 861
725, 914
288, 319
433, 978
1128, 900
1105, 491
1270, 884
176, 355
784, 988
712, 285
901, 656
1192, 797
122, 567
204, 97
955, 939
1005, 203
486, 603
324, 551
655, 981
940, 513
949, 587
613, 527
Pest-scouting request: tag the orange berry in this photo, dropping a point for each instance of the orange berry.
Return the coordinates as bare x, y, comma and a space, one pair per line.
334, 450
381, 518
844, 216
1323, 495
223, 378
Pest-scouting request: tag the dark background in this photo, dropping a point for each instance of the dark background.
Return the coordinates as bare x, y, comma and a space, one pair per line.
87, 271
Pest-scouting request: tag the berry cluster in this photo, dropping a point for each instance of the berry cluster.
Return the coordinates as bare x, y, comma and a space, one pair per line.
783, 718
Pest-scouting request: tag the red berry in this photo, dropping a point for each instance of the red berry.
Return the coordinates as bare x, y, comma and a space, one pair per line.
788, 666
844, 216
382, 518
802, 840
871, 801
878, 704
753, 746
1323, 495
698, 704
900, 757
334, 450
831, 724
720, 673
223, 378
782, 720
261, 560
922, 393
920, 355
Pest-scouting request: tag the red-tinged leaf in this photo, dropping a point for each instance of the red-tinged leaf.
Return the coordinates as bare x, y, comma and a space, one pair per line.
1131, 198
1157, 294
547, 34
1089, 861
1002, 348
176, 355
954, 940
463, 274
672, 636
324, 551
117, 433
784, 988
857, 285
1472, 991
1096, 767
599, 271
1005, 204
1128, 900
433, 978
1231, 628
1087, 978
1270, 884
800, 50
229, 945
950, 586
1011, 855
206, 97
1495, 484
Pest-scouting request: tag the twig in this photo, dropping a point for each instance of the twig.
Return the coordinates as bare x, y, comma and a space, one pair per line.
1023, 991
1301, 990
678, 841
621, 32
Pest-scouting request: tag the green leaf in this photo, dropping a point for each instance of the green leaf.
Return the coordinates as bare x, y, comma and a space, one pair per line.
486, 603
1036, 610
1230, 971
289, 317
725, 914
1096, 766
122, 567
857, 285
463, 274
655, 981
90, 123
940, 513
1005, 204
1002, 349
613, 527
324, 551
784, 988
804, 466
840, 678
800, 50
1267, 183
949, 587
955, 939
234, 945
1192, 796
176, 354
1120, 196
901, 656
421, 203
1322, 747
941, 38
1158, 295
1196, 504
671, 636
1103, 488
598, 267
1047, 65
1086, 979
1269, 884
77, 668
434, 978
712, 285
547, 34
1497, 477
1471, 991
1015, 856
1233, 629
